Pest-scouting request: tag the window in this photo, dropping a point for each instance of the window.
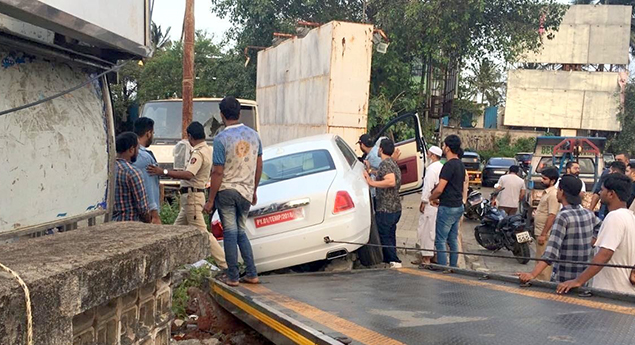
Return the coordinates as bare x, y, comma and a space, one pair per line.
167, 116
587, 165
502, 162
295, 165
401, 131
348, 153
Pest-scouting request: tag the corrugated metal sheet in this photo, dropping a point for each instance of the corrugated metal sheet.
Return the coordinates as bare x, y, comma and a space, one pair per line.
315, 84
561, 99
589, 35
53, 157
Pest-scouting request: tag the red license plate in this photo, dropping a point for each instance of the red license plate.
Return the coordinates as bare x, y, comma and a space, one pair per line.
275, 218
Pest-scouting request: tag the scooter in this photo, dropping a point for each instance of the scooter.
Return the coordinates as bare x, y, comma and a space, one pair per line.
498, 230
474, 205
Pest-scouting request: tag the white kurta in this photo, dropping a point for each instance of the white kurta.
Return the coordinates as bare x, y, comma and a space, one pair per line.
428, 220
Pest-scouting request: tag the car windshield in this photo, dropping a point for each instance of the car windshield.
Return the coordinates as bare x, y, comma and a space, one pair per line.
167, 116
523, 157
503, 162
295, 165
587, 165
469, 159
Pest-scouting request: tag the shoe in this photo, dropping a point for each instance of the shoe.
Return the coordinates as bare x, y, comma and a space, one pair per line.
395, 265
250, 280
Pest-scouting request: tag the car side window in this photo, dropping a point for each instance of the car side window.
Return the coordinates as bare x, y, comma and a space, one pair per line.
346, 150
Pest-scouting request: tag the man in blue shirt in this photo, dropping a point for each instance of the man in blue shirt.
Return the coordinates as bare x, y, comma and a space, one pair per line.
144, 128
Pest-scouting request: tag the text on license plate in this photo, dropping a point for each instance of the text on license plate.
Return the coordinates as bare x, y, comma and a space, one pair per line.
277, 218
523, 237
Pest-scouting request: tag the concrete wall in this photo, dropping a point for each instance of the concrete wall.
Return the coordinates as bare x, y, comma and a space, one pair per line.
316, 84
483, 139
588, 35
108, 284
562, 99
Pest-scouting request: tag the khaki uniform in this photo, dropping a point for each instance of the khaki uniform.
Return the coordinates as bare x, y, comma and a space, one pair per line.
548, 205
192, 203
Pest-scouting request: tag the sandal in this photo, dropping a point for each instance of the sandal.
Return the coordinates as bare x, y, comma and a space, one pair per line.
223, 278
250, 280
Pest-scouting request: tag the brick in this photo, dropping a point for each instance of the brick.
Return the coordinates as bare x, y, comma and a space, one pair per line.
164, 303
107, 332
162, 337
83, 321
147, 291
147, 317
129, 299
164, 283
106, 310
86, 337
128, 326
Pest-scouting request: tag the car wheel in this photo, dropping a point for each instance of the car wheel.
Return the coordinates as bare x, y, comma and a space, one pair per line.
371, 255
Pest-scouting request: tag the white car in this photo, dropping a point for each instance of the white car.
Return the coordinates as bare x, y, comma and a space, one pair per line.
312, 188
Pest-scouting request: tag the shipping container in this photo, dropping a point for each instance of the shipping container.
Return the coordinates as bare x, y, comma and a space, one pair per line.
316, 84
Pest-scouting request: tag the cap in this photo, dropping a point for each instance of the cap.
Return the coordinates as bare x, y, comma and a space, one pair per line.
435, 150
571, 186
366, 140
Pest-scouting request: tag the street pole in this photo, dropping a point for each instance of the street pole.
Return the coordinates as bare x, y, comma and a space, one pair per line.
188, 65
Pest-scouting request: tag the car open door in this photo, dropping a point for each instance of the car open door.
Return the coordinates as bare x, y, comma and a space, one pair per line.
405, 131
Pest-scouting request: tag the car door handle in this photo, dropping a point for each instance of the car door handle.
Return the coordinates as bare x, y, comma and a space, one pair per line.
275, 207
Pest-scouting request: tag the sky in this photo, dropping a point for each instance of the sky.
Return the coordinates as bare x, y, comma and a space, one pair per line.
170, 13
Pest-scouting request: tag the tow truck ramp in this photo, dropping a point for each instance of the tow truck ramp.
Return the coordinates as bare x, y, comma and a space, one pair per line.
412, 306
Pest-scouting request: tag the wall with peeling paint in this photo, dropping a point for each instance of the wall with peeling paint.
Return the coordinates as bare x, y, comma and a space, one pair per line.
316, 84
53, 157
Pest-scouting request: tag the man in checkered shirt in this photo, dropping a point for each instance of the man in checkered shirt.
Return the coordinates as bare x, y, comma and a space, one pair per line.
571, 235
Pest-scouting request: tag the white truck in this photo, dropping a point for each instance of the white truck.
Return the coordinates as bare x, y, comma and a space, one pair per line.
169, 149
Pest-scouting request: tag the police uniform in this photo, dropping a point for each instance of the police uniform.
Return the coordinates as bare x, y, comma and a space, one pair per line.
193, 197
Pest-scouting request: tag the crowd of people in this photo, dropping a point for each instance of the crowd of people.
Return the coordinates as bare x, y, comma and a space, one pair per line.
234, 170
564, 229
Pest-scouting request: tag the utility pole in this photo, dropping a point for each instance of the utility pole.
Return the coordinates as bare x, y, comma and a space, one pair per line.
188, 65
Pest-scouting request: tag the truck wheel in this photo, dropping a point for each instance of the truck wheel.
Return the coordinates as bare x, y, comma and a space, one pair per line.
521, 251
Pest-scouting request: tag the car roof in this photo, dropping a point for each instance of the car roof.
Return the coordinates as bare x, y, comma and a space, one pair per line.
321, 141
506, 158
524, 153
205, 99
470, 153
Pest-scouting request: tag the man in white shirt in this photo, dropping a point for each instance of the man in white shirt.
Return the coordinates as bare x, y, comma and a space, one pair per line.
615, 242
428, 219
573, 168
513, 192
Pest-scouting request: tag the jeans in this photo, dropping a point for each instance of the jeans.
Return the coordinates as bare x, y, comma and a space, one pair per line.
233, 210
447, 232
387, 228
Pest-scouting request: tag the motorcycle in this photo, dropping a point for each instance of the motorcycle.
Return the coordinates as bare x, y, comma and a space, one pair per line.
498, 230
473, 205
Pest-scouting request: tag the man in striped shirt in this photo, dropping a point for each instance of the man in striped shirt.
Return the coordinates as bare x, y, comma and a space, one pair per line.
131, 201
571, 235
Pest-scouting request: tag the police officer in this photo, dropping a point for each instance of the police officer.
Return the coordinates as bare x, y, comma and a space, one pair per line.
193, 180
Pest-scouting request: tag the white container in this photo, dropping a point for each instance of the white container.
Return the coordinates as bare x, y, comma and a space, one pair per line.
316, 84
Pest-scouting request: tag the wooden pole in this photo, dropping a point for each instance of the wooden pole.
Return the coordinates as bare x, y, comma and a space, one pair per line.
188, 65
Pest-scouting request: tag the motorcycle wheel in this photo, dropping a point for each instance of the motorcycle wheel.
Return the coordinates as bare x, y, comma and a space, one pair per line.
522, 252
480, 241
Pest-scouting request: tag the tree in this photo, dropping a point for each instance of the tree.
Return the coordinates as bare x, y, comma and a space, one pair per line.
486, 80
159, 39
434, 32
623, 140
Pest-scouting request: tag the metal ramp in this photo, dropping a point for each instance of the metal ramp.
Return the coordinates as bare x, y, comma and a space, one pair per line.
411, 306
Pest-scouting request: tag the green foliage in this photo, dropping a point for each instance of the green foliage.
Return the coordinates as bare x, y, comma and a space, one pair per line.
623, 140
504, 147
169, 212
180, 297
485, 80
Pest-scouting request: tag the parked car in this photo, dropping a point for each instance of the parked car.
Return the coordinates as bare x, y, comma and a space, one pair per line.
472, 163
524, 160
314, 187
495, 168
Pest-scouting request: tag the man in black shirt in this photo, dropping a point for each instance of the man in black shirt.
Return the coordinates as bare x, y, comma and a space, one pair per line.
388, 208
449, 192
